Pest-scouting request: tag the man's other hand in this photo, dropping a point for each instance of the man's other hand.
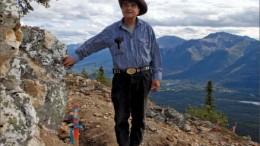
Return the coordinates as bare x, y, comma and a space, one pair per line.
155, 85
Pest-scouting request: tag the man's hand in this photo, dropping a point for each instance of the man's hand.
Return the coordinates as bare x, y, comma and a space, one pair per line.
155, 85
68, 62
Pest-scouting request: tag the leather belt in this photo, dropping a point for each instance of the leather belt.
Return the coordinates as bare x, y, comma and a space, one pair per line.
131, 71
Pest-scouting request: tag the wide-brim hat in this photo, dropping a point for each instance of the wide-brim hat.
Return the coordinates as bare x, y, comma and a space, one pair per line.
141, 4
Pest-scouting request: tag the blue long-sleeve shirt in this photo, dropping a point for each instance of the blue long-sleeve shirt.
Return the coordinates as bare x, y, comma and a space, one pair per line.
135, 50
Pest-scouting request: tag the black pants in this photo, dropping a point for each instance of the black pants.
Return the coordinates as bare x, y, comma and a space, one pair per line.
129, 96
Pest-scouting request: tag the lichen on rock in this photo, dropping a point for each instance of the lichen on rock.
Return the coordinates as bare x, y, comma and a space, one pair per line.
32, 90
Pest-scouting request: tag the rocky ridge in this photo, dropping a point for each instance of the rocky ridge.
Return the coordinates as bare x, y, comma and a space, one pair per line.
164, 126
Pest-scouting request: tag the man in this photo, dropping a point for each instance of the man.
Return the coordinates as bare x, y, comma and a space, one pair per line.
137, 68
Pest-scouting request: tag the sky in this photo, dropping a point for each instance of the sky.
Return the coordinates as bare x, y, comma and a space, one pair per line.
75, 21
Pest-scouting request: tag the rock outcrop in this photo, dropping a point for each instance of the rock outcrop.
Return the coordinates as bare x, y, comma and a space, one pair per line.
32, 90
164, 126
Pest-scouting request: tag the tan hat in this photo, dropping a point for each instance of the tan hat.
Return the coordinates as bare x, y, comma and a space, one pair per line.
141, 4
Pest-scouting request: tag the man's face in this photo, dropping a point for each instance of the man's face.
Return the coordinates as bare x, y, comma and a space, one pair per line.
130, 9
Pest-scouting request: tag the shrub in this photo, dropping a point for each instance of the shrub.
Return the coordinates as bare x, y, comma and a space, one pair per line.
207, 110
213, 116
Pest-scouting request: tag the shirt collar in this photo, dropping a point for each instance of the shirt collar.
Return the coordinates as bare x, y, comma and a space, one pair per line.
138, 22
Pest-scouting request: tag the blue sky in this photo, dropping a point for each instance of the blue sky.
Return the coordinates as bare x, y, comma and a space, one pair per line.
74, 21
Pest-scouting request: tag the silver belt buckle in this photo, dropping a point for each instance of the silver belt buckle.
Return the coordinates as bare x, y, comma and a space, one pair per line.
131, 71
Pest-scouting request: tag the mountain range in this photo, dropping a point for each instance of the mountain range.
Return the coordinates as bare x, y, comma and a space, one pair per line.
229, 60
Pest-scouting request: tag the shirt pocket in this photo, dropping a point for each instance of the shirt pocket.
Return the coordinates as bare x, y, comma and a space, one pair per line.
143, 44
117, 49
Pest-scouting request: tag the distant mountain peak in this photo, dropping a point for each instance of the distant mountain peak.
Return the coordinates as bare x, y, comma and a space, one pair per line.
226, 36
221, 34
170, 41
170, 37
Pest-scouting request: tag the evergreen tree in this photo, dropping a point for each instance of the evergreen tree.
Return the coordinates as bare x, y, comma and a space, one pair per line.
100, 75
84, 73
207, 110
102, 78
209, 99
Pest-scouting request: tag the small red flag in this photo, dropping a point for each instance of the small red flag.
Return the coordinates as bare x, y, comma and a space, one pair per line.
217, 126
234, 127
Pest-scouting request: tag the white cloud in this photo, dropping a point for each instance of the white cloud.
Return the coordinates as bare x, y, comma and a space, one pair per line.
193, 32
76, 21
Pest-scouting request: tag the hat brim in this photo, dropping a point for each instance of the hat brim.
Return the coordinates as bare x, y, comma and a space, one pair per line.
141, 4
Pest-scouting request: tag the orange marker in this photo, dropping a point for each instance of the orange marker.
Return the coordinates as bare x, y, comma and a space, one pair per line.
76, 125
